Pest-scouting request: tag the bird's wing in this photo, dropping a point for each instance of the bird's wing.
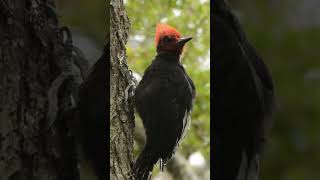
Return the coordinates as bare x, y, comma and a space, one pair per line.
236, 100
184, 98
164, 101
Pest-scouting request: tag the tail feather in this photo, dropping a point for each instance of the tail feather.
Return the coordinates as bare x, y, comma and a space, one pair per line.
249, 168
253, 170
144, 165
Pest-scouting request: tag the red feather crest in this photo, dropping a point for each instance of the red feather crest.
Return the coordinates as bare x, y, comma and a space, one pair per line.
165, 30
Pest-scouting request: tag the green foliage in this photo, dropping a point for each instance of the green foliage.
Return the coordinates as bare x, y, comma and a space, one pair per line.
190, 18
292, 54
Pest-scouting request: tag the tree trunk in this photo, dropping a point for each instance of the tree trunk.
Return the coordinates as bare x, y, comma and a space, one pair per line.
121, 109
36, 71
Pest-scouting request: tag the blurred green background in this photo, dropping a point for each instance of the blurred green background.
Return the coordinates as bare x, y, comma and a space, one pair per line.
190, 18
287, 35
87, 17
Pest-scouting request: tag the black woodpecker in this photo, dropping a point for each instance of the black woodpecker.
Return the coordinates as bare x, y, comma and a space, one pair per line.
93, 115
163, 99
242, 99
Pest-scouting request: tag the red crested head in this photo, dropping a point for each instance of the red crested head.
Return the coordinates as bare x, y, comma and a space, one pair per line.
163, 30
168, 39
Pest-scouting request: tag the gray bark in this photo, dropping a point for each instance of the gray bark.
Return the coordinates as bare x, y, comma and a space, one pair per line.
121, 110
37, 75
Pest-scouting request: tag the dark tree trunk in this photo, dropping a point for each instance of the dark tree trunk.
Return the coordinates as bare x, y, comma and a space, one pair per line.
35, 63
121, 112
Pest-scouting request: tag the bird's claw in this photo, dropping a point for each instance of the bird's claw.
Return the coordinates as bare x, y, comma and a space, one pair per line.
128, 93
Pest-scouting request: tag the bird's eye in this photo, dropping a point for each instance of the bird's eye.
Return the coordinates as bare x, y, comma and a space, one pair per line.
167, 39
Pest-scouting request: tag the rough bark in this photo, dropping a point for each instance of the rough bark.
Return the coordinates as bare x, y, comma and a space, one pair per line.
37, 75
121, 110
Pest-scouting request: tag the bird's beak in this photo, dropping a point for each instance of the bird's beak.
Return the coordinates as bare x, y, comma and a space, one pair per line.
183, 40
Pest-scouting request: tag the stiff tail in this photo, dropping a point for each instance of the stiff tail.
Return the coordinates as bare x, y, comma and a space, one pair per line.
144, 165
249, 168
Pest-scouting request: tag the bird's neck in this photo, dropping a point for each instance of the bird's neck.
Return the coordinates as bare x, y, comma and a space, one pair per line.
170, 57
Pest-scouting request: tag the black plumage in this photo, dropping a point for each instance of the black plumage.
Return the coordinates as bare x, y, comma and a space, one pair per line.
92, 116
242, 99
163, 99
